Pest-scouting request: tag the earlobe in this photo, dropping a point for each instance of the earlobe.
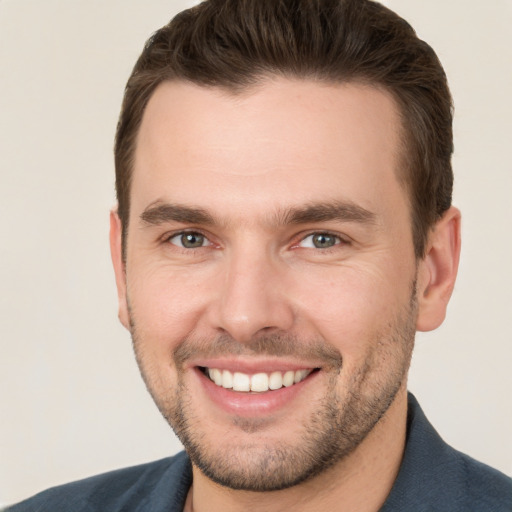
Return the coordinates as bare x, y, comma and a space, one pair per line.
116, 253
438, 270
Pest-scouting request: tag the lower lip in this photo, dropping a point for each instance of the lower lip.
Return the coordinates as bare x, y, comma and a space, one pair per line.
250, 404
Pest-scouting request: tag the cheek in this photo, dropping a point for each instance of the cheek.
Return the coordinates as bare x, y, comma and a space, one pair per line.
166, 303
351, 307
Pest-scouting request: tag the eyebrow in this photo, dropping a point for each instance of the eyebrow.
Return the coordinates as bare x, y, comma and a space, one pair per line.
343, 211
166, 212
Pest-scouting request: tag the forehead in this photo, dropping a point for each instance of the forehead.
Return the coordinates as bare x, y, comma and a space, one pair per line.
279, 144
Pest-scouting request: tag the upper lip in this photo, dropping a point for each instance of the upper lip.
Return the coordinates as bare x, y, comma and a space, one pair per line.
252, 366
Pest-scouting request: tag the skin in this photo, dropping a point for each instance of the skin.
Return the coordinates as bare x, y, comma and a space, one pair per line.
257, 291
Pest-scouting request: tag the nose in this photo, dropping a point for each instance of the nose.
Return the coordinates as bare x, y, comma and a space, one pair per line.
253, 297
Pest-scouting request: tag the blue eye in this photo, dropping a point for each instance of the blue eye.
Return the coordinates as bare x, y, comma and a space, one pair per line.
189, 240
320, 241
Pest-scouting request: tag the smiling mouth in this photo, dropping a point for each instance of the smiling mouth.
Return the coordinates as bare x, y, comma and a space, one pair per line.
258, 382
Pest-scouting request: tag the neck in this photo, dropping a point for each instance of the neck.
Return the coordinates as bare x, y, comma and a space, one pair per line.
360, 482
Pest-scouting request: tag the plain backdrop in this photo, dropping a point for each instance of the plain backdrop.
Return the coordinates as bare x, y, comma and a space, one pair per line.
72, 403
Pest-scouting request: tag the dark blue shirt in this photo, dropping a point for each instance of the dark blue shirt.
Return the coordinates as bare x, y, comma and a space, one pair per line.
433, 478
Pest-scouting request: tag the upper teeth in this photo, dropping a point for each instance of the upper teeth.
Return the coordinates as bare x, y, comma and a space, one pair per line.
258, 382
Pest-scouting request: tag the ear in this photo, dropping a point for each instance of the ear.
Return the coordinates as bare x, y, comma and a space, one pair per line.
116, 253
437, 271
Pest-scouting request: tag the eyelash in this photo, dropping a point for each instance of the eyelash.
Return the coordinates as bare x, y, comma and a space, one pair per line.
340, 241
169, 237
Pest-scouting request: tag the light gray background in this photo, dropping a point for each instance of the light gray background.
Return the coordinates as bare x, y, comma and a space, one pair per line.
71, 400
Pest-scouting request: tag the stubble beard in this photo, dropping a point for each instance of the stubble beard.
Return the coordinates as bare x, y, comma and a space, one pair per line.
339, 423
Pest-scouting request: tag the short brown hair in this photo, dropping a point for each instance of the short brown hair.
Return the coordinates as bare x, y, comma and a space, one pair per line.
237, 43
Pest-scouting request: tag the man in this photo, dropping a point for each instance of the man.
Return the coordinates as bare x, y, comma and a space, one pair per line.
284, 227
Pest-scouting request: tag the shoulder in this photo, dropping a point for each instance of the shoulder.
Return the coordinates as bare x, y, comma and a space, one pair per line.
485, 488
436, 477
154, 486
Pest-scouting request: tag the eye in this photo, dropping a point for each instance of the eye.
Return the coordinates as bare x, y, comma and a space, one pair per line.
320, 241
189, 240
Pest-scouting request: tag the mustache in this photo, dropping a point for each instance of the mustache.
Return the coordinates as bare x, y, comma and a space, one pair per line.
275, 345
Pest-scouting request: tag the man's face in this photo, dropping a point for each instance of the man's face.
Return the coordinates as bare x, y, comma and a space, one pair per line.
270, 245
